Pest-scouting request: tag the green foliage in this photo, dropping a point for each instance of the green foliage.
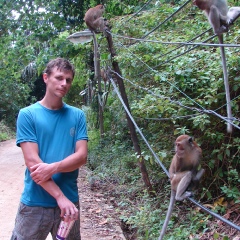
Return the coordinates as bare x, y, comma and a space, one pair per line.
231, 190
73, 11
5, 132
13, 97
32, 39
232, 193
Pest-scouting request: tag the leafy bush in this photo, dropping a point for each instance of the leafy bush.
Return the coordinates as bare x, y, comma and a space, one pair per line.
5, 132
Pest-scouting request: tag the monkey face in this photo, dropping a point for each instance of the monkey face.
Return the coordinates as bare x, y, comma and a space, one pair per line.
183, 144
100, 8
179, 149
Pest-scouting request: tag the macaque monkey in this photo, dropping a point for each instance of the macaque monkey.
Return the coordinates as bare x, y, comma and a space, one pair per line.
183, 173
94, 19
220, 19
218, 14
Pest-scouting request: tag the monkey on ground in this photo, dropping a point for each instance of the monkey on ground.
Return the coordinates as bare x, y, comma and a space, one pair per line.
94, 19
220, 19
183, 173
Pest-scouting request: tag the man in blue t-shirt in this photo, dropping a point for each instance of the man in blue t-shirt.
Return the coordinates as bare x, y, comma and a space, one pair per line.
53, 138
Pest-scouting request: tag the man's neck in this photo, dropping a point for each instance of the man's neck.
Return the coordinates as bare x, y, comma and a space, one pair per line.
52, 105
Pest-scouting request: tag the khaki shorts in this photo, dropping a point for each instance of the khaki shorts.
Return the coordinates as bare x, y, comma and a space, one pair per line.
35, 223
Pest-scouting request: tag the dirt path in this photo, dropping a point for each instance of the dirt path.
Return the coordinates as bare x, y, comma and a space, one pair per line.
97, 214
11, 178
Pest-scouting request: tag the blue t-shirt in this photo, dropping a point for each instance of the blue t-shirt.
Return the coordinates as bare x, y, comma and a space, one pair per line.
56, 133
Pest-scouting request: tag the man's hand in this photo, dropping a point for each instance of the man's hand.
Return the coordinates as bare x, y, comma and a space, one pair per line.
42, 172
68, 209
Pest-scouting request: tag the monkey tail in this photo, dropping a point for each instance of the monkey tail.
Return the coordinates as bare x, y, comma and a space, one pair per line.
169, 213
226, 84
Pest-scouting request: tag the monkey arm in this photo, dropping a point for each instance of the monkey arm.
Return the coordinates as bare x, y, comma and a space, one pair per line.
98, 25
180, 184
171, 176
196, 180
199, 175
172, 168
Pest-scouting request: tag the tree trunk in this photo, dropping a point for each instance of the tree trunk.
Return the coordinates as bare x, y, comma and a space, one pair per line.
98, 80
131, 126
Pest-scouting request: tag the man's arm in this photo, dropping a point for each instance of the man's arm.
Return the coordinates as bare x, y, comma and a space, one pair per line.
41, 172
30, 153
75, 160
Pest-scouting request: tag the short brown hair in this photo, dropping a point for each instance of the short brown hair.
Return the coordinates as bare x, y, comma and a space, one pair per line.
61, 64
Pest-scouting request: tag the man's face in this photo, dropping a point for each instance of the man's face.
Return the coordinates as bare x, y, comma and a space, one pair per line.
58, 83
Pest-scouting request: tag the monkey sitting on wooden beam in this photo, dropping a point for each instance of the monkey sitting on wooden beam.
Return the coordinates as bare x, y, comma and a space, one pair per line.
94, 19
184, 173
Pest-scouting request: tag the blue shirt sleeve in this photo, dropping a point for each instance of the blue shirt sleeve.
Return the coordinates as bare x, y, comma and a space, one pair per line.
81, 133
25, 128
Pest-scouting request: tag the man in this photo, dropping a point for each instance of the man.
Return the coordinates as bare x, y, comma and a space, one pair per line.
53, 139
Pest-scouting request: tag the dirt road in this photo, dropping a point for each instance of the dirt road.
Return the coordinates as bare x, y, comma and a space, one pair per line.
98, 221
11, 178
